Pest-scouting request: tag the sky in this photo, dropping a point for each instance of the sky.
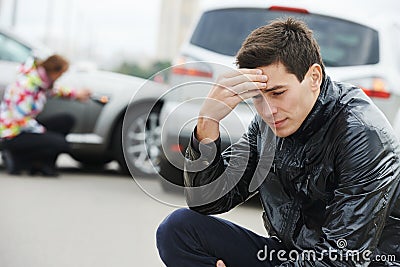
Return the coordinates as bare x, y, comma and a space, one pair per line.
106, 31
100, 29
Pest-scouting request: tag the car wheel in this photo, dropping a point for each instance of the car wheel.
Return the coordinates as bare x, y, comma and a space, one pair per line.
138, 142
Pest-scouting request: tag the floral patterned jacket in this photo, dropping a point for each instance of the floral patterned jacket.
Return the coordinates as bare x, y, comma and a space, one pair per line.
25, 98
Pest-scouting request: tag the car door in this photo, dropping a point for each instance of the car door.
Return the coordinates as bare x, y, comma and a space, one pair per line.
58, 105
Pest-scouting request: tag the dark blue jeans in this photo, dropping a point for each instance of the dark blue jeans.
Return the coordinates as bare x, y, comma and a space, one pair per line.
187, 238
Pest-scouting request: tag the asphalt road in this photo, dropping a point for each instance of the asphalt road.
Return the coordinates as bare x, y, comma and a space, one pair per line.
88, 218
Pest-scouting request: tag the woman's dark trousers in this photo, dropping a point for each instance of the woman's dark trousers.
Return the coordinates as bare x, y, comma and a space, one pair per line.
38, 151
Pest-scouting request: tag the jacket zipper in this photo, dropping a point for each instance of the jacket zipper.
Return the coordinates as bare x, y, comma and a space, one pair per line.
294, 214
282, 141
280, 145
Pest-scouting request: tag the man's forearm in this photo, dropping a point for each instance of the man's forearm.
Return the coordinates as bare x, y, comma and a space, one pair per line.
207, 130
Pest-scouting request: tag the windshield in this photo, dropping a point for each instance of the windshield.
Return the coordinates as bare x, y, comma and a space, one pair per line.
11, 50
343, 43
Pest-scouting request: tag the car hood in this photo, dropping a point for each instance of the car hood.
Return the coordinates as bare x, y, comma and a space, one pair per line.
107, 82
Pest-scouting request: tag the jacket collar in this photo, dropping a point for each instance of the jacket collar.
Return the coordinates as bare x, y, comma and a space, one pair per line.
46, 82
320, 113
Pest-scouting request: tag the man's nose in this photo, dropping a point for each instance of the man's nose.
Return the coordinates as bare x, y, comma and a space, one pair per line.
269, 108
273, 109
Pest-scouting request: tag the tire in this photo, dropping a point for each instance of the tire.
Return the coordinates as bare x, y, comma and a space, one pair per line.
137, 142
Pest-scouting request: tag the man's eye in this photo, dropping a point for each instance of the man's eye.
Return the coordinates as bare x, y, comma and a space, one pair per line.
278, 93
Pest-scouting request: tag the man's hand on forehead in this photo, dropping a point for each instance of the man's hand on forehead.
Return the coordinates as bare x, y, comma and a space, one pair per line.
230, 89
244, 83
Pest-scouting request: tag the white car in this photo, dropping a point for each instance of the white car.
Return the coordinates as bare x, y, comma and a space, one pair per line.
359, 44
98, 136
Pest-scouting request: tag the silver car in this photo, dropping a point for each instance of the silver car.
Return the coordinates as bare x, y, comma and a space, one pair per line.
359, 44
104, 131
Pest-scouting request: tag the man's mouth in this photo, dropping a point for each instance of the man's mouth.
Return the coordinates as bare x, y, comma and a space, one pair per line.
278, 123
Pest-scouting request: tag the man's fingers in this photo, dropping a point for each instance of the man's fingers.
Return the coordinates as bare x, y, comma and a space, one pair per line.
242, 71
249, 94
220, 263
244, 90
248, 86
240, 81
243, 78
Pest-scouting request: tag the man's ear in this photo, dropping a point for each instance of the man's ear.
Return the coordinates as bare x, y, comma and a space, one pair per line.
315, 73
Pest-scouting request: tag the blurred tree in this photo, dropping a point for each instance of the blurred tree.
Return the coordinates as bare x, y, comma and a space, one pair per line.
134, 69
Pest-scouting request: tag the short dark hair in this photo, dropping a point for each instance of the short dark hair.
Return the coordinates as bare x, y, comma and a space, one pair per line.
288, 41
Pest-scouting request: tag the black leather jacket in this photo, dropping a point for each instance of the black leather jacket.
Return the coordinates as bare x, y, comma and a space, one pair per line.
335, 179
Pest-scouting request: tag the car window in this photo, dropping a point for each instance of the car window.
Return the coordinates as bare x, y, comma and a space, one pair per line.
11, 50
342, 42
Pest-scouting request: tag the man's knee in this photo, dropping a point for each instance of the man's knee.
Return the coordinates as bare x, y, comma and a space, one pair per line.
172, 231
177, 221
